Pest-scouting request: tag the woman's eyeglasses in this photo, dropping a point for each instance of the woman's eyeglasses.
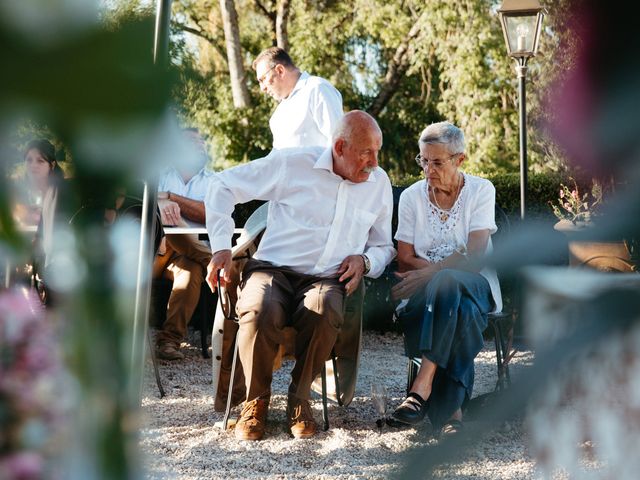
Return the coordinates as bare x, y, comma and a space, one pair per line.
435, 163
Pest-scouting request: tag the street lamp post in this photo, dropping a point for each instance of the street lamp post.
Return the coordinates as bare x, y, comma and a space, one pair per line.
521, 24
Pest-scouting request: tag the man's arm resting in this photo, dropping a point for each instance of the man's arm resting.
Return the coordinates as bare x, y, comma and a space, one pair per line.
190, 209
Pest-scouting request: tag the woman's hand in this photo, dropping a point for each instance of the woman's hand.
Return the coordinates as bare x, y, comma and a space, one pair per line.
412, 281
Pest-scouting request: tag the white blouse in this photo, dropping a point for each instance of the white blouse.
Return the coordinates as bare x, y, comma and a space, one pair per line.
435, 233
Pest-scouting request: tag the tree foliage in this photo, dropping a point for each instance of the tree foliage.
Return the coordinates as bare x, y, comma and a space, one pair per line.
408, 62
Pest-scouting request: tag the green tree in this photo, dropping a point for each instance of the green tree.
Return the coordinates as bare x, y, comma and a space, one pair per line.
407, 62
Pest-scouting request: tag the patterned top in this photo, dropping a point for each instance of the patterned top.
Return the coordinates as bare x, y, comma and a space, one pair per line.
436, 233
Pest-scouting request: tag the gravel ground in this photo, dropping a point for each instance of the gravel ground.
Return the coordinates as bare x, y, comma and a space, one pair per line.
181, 440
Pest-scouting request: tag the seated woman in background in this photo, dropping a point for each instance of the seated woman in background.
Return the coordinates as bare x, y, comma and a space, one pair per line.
41, 171
444, 228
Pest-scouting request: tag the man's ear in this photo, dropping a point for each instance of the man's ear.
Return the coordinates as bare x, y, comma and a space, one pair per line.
280, 70
461, 159
339, 146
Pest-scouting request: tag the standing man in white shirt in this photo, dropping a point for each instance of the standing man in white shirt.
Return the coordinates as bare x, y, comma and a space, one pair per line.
181, 192
329, 224
310, 107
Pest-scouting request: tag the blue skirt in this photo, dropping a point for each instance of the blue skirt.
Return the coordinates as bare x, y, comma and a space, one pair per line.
444, 323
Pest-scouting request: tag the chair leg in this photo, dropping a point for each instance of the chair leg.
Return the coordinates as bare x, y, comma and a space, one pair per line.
412, 373
204, 330
154, 361
227, 410
334, 361
325, 411
506, 344
504, 379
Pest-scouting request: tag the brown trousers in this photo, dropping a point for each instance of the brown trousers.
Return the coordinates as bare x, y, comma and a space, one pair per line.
185, 263
273, 298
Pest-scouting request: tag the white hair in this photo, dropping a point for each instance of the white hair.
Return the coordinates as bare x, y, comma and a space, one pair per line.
445, 133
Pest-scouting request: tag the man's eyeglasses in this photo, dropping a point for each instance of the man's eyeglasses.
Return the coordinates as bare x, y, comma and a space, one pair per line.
434, 162
264, 76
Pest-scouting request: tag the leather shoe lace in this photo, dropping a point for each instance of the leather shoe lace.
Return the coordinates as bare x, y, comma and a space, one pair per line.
301, 422
253, 419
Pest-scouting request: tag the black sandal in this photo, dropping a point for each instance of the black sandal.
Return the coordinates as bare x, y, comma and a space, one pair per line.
452, 427
411, 411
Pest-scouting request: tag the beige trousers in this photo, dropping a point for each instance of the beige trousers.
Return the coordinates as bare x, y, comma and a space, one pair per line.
185, 264
273, 298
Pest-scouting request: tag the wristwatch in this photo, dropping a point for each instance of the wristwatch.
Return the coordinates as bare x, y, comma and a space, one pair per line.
163, 195
367, 263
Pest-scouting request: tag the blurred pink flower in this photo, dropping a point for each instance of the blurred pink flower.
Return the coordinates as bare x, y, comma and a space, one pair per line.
22, 466
31, 401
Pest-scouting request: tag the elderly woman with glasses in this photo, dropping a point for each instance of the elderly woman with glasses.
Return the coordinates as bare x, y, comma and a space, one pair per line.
445, 223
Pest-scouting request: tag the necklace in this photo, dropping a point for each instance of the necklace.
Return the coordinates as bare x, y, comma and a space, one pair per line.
445, 214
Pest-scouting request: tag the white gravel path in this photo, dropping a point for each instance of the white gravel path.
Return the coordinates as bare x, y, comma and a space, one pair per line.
180, 440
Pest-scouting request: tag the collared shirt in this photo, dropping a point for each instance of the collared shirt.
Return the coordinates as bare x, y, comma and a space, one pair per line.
316, 218
195, 188
308, 115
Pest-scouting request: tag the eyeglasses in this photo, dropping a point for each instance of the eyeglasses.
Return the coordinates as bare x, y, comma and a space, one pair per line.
435, 163
264, 76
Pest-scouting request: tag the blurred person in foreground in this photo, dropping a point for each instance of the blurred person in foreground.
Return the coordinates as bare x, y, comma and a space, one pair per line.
309, 107
445, 223
183, 259
329, 224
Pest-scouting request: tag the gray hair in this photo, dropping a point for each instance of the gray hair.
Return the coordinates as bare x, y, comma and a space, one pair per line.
445, 133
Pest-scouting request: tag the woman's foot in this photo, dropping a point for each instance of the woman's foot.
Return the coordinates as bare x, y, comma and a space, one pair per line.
411, 411
452, 427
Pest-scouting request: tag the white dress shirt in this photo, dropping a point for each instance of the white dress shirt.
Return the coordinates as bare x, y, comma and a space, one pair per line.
195, 188
316, 218
420, 223
308, 115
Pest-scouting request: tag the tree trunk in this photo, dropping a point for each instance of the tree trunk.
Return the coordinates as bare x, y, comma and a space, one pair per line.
239, 89
282, 19
395, 71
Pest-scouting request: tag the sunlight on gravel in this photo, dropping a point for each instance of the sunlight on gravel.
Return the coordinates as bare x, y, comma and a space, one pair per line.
181, 440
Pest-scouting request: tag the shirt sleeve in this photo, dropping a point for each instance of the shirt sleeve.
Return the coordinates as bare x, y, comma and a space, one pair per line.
406, 217
328, 109
257, 180
483, 214
379, 248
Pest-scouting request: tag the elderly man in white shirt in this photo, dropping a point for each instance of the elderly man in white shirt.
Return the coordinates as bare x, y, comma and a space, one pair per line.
310, 107
329, 224
181, 192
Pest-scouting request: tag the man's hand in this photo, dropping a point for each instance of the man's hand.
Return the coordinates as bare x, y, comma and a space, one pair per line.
221, 260
352, 268
169, 212
412, 281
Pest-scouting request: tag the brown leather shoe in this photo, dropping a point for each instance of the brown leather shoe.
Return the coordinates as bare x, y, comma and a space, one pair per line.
252, 420
301, 422
168, 351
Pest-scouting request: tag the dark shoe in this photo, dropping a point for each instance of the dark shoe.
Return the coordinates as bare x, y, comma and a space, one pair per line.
411, 411
301, 422
253, 419
167, 351
452, 427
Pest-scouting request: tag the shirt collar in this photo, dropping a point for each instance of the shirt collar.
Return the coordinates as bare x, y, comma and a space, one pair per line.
325, 162
201, 173
299, 84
